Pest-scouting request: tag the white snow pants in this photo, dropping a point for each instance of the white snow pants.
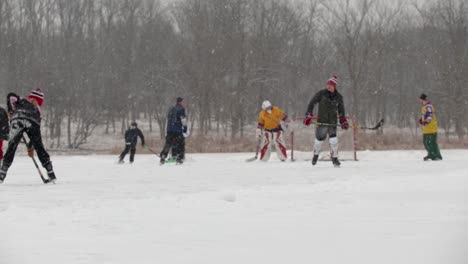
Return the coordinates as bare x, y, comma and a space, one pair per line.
333, 146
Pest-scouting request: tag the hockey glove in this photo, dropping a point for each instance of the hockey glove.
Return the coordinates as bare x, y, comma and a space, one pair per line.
308, 119
344, 123
423, 122
186, 132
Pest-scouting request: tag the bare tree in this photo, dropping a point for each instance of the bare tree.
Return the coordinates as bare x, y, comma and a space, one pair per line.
107, 62
446, 29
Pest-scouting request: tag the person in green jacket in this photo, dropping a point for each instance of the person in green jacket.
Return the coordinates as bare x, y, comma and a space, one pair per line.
428, 121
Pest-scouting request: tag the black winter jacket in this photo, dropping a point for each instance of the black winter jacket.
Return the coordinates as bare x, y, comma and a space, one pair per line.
4, 124
131, 136
330, 106
23, 109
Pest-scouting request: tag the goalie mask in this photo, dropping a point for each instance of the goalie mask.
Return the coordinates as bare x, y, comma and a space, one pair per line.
266, 105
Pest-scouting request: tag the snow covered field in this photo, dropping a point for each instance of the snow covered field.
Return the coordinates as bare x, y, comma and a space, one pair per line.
389, 207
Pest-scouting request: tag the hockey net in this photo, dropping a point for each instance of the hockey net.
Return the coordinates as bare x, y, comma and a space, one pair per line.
301, 142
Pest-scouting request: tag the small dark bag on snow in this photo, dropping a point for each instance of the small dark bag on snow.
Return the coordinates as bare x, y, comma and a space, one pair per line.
4, 124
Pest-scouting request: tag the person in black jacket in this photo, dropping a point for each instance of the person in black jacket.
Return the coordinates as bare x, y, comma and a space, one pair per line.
176, 132
26, 118
131, 139
331, 109
4, 129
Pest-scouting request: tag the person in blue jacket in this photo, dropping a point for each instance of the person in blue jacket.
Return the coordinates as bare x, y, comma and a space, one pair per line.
176, 132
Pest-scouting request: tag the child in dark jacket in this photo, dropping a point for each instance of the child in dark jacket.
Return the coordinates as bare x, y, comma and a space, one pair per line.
131, 138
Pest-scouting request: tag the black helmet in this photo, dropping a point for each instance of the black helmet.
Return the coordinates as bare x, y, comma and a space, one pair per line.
134, 124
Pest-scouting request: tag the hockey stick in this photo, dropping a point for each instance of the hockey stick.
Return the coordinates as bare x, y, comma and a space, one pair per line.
259, 141
44, 180
169, 160
152, 151
379, 124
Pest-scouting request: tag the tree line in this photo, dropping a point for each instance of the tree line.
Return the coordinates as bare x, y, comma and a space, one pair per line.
104, 63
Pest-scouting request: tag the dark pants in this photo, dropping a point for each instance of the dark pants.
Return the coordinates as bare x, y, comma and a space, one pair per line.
1, 149
18, 127
176, 141
132, 149
321, 132
430, 143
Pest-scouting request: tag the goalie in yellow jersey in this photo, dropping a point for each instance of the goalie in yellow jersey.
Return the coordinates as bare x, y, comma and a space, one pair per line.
270, 131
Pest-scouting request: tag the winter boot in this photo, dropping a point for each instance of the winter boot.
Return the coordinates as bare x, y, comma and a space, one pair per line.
162, 160
52, 178
121, 161
426, 158
2, 175
50, 173
315, 159
179, 159
336, 162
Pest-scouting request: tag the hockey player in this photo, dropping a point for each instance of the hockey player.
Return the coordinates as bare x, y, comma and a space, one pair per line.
26, 118
270, 130
176, 132
4, 129
131, 138
330, 109
428, 122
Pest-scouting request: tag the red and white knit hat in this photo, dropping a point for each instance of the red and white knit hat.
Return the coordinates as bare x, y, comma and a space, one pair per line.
38, 95
333, 81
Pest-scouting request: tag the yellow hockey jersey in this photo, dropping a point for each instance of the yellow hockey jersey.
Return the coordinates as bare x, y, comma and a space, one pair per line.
271, 121
429, 117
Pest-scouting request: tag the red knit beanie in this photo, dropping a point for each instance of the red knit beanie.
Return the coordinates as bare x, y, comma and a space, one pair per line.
38, 95
333, 81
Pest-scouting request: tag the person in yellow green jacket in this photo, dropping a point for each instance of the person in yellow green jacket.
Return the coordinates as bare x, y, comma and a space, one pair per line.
428, 121
270, 131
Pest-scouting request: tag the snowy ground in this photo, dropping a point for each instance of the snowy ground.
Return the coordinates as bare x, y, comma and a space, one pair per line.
389, 207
